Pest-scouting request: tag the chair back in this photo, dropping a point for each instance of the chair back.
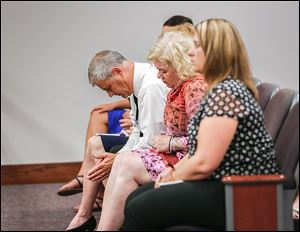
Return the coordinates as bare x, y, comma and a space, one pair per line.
277, 110
265, 92
287, 146
257, 81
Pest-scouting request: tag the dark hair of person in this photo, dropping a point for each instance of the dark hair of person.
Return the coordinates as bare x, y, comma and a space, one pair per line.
177, 20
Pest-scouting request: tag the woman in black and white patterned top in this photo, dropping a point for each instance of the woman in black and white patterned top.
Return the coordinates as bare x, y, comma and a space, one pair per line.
226, 137
251, 149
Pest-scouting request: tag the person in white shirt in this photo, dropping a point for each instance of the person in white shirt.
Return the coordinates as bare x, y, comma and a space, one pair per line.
113, 73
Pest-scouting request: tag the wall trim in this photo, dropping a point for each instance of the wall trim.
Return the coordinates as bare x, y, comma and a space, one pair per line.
38, 173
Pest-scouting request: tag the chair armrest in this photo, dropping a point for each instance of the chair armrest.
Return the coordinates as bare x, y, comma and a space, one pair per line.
254, 202
254, 179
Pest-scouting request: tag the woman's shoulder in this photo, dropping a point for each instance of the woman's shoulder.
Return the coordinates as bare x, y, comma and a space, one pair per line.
234, 90
195, 82
196, 78
230, 86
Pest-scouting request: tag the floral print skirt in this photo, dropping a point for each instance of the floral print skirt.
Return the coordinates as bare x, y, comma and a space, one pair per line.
156, 162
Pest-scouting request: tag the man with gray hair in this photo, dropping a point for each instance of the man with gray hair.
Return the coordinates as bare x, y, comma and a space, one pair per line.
113, 73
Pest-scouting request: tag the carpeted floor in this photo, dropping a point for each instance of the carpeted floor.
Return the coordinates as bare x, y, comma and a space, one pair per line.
36, 207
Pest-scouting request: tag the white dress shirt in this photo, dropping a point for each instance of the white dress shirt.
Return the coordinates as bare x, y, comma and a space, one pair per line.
151, 93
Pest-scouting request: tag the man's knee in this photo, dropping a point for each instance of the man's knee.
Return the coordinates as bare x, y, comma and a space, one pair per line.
94, 140
95, 143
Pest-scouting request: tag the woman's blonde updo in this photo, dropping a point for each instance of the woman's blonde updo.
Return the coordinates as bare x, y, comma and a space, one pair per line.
172, 49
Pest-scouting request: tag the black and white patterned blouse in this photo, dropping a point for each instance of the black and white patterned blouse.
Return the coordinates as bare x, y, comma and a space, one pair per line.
251, 150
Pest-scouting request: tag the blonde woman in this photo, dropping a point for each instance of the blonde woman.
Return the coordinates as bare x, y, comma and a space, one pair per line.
226, 137
130, 170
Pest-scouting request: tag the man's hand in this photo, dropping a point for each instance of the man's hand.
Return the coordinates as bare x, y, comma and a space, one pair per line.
125, 123
102, 169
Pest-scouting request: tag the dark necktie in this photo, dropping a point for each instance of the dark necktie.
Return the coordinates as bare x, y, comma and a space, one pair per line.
137, 112
137, 108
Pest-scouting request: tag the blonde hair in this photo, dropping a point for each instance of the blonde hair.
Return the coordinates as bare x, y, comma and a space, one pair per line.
225, 53
187, 28
172, 49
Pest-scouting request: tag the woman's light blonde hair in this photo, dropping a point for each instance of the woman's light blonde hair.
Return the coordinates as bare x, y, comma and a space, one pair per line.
225, 53
172, 49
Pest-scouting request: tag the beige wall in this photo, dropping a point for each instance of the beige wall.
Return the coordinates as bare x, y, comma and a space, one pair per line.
46, 48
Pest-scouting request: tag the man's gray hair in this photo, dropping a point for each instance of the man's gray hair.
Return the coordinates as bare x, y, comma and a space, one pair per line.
102, 64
